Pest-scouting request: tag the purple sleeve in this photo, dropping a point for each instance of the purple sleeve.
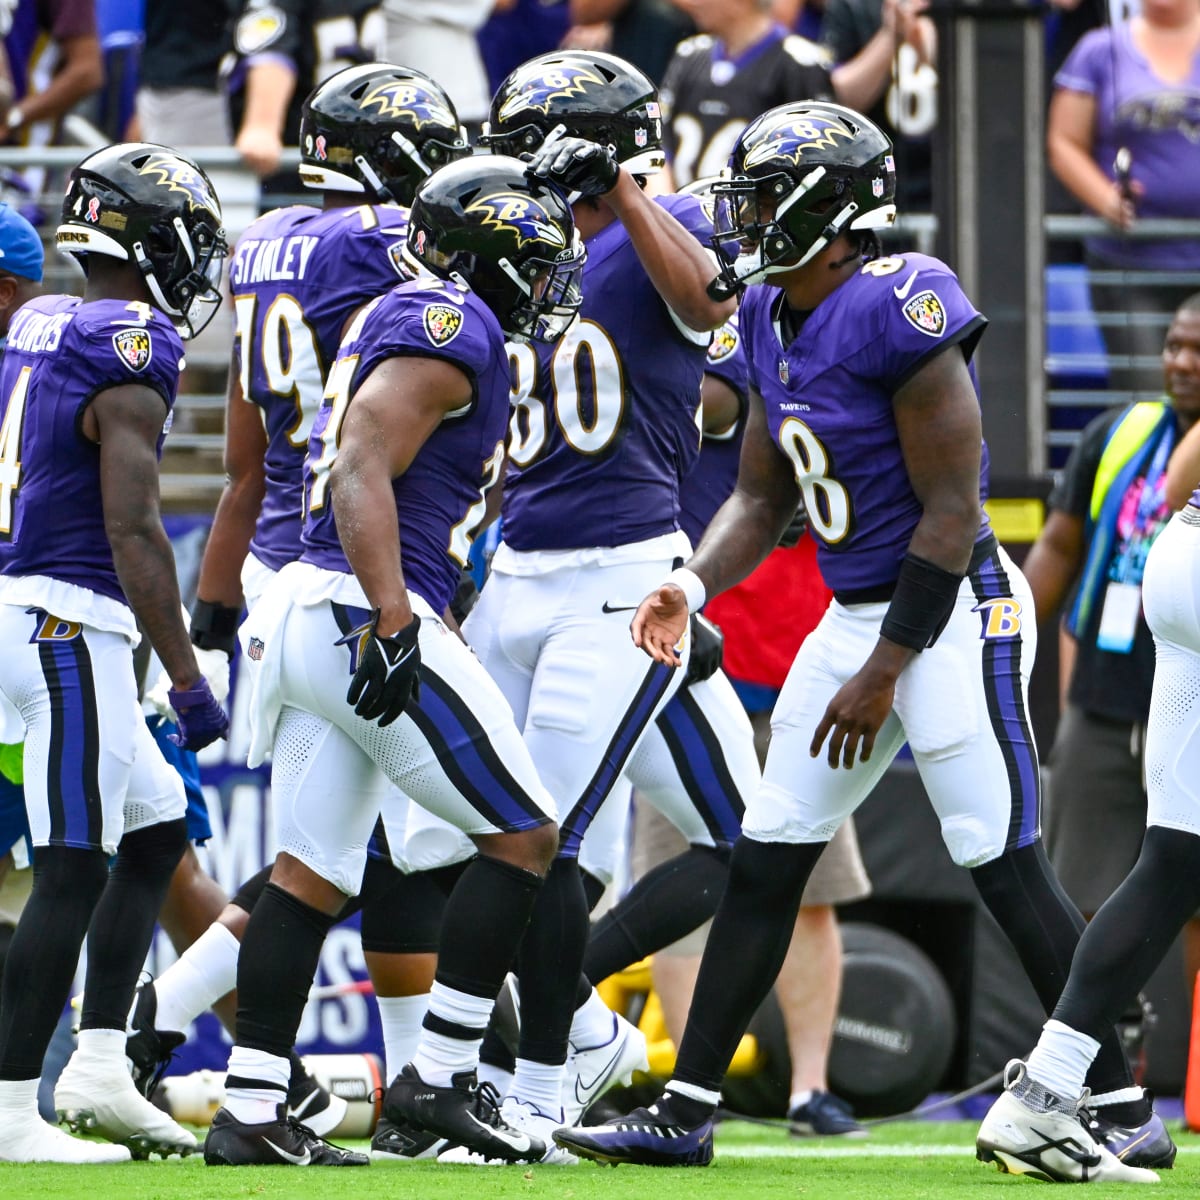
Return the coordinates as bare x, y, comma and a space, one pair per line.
919, 312
1086, 64
122, 351
689, 212
727, 357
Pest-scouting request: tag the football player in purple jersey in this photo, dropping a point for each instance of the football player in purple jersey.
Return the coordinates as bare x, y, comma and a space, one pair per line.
408, 439
88, 387
369, 134
864, 404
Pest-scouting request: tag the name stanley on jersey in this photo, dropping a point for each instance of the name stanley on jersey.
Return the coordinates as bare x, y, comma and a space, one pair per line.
264, 260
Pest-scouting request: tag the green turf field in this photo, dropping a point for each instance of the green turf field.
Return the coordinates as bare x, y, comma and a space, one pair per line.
897, 1162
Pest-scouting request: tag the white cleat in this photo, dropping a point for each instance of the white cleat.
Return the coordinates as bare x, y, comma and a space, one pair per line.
592, 1072
527, 1119
1053, 1145
36, 1141
90, 1098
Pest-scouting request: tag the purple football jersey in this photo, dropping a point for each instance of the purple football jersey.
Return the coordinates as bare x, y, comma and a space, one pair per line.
605, 423
828, 400
297, 276
708, 484
440, 498
61, 353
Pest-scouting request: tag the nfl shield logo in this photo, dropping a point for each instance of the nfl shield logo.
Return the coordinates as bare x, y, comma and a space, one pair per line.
442, 323
783, 370
876, 188
639, 137
133, 348
257, 646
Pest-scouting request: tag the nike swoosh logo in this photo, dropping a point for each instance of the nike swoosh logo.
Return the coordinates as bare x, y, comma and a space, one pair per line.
301, 1160
901, 293
608, 608
584, 1090
520, 1142
394, 667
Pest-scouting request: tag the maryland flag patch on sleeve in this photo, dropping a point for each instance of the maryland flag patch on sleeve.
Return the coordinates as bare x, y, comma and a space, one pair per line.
133, 348
442, 323
926, 312
724, 343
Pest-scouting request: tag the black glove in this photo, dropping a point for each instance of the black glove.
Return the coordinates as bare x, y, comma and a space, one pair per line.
576, 165
464, 596
708, 649
200, 718
388, 673
795, 527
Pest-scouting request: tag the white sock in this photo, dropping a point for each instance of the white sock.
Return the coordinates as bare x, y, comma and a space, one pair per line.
498, 1077
694, 1092
1127, 1095
539, 1084
18, 1100
438, 1057
593, 1023
400, 1017
206, 971
798, 1098
1061, 1059
256, 1104
101, 1046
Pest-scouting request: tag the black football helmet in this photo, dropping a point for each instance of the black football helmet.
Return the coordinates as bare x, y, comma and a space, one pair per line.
509, 238
800, 175
379, 130
154, 208
595, 96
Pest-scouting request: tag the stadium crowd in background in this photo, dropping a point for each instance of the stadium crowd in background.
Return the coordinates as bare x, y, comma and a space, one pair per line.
525, 303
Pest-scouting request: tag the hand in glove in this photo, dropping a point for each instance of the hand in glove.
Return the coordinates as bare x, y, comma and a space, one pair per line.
576, 165
388, 673
708, 649
200, 718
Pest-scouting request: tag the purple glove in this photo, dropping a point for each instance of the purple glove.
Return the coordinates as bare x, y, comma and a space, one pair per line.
200, 718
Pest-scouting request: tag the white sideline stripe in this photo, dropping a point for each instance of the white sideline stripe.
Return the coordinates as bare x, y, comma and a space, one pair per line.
862, 1150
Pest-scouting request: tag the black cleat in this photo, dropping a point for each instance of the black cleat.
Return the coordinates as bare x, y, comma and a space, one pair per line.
314, 1106
393, 1142
1147, 1145
279, 1143
467, 1113
148, 1049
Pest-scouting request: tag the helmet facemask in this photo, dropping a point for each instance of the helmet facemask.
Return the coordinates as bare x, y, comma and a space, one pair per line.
553, 292
183, 272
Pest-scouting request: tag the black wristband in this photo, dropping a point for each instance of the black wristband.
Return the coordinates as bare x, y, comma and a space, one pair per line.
921, 604
215, 626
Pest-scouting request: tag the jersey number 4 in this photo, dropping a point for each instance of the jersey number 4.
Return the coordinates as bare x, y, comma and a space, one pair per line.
10, 448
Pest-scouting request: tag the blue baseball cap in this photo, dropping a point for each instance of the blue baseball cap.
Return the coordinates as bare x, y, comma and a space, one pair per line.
21, 250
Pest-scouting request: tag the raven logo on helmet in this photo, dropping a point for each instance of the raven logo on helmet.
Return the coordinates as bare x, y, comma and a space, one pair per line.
399, 98
559, 82
789, 142
521, 215
178, 176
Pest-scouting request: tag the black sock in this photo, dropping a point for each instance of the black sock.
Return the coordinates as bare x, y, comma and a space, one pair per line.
1023, 894
663, 906
675, 1109
276, 966
483, 923
550, 963
45, 952
1130, 934
752, 929
123, 923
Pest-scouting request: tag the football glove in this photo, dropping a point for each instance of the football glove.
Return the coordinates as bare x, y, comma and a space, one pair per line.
708, 649
795, 527
388, 673
200, 717
576, 165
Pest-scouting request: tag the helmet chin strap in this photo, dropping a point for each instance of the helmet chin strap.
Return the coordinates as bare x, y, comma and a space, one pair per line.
380, 188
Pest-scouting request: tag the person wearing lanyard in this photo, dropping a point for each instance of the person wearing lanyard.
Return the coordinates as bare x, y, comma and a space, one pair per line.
1104, 513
